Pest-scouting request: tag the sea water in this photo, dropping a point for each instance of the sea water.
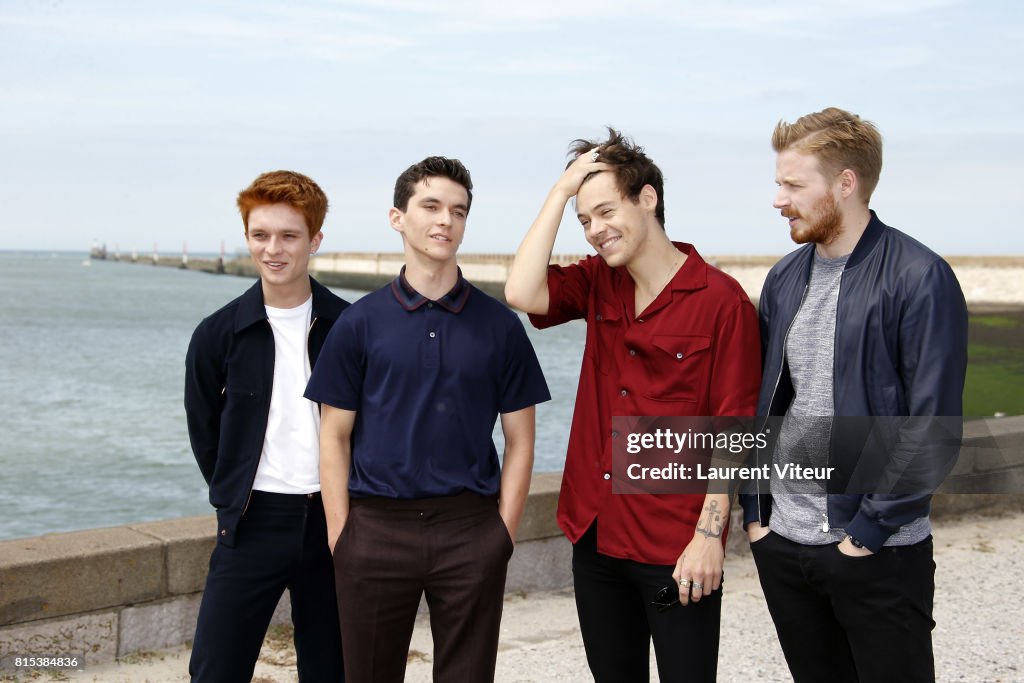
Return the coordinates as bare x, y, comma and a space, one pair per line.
91, 378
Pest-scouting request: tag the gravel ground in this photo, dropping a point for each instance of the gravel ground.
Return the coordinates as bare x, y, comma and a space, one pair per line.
979, 580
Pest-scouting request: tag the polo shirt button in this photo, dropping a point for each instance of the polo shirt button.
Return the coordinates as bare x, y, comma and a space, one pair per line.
223, 532
430, 304
433, 334
679, 355
640, 320
597, 317
607, 476
615, 434
632, 352
623, 393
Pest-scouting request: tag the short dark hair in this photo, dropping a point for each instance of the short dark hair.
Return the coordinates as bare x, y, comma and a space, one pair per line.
431, 167
633, 169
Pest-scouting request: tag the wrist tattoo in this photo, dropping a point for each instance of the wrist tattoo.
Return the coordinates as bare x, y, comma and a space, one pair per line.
710, 524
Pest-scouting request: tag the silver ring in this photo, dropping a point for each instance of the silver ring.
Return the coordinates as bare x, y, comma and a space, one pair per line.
594, 155
698, 586
684, 583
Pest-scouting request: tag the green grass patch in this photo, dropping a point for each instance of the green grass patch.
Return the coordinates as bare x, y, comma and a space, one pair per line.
995, 364
989, 354
990, 389
997, 321
995, 380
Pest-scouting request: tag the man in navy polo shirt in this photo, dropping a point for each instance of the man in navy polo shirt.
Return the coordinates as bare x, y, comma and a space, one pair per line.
412, 379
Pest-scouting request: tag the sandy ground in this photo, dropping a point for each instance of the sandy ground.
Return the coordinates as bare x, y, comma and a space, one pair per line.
978, 608
981, 284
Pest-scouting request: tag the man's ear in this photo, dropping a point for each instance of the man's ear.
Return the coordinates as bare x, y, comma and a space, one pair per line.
847, 183
314, 243
648, 197
395, 216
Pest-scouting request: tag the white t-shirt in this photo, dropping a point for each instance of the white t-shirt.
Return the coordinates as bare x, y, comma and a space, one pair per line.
290, 462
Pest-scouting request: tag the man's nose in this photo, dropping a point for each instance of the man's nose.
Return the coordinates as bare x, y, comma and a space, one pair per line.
781, 200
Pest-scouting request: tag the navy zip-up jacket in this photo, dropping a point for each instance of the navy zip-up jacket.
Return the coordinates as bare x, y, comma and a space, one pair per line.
229, 374
900, 350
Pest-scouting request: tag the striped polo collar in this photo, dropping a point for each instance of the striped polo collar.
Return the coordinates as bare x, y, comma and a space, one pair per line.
410, 299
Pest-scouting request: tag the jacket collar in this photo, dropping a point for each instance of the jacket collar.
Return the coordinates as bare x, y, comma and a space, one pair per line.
251, 308
866, 243
410, 299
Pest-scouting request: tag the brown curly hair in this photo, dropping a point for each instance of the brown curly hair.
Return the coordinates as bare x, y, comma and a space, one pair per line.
633, 169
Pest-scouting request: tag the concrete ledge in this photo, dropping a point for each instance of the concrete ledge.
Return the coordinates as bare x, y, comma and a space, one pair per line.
187, 543
540, 565
157, 625
991, 458
92, 636
107, 593
539, 516
58, 574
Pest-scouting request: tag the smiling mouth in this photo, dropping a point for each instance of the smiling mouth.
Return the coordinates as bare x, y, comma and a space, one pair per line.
275, 265
440, 238
608, 242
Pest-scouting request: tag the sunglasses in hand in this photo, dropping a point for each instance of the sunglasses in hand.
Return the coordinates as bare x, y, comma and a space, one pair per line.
666, 598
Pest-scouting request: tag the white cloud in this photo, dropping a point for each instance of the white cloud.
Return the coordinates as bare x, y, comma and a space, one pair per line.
261, 30
757, 17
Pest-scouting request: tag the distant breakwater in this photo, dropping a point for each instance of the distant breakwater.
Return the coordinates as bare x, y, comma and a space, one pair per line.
987, 281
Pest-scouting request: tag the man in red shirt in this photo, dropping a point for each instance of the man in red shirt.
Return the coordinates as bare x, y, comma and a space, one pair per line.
667, 334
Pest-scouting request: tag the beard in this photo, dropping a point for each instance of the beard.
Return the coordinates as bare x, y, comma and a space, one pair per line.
823, 228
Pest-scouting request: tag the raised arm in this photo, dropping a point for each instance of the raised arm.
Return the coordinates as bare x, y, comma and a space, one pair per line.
519, 428
527, 285
335, 460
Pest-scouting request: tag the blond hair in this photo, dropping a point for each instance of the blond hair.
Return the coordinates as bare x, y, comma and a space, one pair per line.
839, 140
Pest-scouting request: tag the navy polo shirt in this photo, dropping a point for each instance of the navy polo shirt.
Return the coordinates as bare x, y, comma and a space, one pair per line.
427, 380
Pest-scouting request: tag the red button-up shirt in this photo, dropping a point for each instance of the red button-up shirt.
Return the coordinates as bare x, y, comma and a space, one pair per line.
694, 351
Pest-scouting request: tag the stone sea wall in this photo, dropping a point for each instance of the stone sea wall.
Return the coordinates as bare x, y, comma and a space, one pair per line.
106, 593
986, 280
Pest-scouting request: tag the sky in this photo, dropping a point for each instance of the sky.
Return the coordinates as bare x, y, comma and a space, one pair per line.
136, 124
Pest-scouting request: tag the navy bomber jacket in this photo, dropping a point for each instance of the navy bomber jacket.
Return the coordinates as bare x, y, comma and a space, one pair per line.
900, 350
229, 374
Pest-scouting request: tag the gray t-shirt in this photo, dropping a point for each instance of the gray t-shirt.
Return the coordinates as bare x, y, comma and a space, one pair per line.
799, 510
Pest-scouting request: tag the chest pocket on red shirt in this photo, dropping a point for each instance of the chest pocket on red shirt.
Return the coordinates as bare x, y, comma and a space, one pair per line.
678, 367
607, 337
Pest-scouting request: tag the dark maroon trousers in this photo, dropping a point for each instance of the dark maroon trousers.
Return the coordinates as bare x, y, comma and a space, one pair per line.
455, 550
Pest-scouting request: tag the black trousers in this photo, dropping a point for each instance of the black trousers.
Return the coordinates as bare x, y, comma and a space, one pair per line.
850, 619
454, 550
282, 543
617, 621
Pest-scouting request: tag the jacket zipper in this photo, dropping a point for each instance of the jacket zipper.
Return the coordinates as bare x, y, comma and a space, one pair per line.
832, 423
779, 379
